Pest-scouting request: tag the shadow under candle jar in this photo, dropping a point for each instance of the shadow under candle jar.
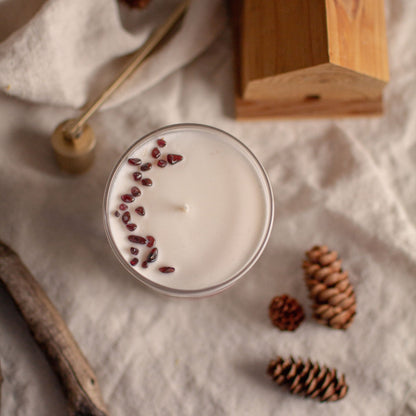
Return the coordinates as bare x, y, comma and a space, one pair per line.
188, 210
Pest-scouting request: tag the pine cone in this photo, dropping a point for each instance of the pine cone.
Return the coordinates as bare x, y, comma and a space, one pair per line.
286, 313
309, 379
329, 288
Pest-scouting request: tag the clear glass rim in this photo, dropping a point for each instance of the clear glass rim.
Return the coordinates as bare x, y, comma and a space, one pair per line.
209, 290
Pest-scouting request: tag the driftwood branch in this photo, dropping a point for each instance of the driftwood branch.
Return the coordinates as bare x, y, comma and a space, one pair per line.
1, 381
50, 332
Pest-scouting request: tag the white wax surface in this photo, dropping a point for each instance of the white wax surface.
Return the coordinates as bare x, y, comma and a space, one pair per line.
209, 213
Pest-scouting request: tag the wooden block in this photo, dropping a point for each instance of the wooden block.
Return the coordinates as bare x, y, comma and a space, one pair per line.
297, 58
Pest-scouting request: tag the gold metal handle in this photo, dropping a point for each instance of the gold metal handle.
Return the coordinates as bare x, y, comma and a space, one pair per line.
74, 128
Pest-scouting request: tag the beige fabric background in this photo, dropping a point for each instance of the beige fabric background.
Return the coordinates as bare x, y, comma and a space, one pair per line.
349, 183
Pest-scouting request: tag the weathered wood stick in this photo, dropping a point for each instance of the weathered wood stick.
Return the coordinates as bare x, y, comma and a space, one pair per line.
1, 381
50, 332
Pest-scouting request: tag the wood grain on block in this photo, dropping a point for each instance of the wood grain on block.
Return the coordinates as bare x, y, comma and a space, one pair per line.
266, 109
357, 36
309, 57
50, 332
278, 37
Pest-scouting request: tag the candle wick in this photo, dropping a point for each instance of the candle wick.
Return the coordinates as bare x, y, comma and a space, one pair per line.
184, 208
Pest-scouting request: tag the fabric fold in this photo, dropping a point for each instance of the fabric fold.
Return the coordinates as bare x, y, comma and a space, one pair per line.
68, 50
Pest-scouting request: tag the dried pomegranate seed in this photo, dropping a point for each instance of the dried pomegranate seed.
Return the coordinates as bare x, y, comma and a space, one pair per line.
126, 217
152, 256
140, 211
147, 182
146, 166
134, 261
137, 176
137, 239
131, 226
134, 161
134, 250
167, 269
150, 240
123, 207
127, 198
162, 163
156, 153
116, 213
135, 191
173, 159
144, 265
161, 143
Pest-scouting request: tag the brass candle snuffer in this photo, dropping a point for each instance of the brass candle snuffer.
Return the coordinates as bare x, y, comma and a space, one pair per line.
73, 141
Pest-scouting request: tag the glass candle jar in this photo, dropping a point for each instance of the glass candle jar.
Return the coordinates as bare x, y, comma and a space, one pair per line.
188, 210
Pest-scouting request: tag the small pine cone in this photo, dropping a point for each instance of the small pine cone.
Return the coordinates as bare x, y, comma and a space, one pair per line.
286, 313
308, 379
329, 288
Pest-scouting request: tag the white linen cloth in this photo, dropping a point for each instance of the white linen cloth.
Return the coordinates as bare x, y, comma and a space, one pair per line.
346, 183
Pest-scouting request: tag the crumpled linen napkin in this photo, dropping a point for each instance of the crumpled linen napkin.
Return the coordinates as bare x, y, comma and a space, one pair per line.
64, 52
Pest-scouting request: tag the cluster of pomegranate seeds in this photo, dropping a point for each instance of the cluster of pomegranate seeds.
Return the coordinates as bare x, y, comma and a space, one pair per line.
150, 241
127, 198
167, 269
134, 261
135, 161
135, 191
147, 182
161, 142
137, 176
173, 159
126, 217
140, 211
137, 239
145, 167
156, 153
